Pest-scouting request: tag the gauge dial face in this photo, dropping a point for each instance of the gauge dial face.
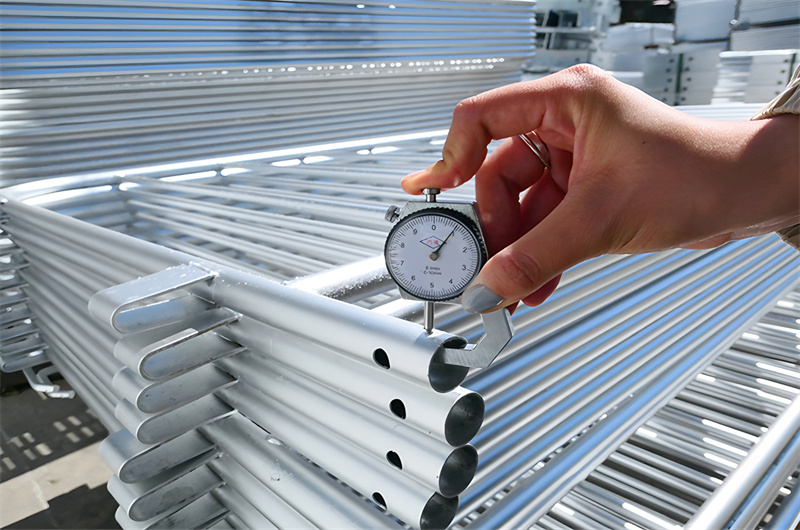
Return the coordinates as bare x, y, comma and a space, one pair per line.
433, 256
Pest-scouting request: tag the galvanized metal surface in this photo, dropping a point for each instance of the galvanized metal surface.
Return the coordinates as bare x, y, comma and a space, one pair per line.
167, 389
108, 85
717, 455
229, 365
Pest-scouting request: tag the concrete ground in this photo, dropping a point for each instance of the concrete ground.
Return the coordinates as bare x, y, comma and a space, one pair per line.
50, 473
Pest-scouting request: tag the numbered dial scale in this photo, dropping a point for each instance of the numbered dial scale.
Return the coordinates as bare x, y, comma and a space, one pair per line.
435, 250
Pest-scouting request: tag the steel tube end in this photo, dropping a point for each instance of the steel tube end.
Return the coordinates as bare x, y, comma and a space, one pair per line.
438, 512
464, 419
445, 377
458, 471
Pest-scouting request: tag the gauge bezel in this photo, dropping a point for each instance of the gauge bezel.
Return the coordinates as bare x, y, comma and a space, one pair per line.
442, 210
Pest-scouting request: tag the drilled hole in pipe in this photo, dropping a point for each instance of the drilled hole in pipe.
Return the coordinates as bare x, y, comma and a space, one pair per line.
394, 459
378, 498
398, 408
380, 357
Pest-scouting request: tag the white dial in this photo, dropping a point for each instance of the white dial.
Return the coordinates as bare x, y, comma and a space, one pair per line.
434, 254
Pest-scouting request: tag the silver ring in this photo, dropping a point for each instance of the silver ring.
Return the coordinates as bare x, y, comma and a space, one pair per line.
538, 147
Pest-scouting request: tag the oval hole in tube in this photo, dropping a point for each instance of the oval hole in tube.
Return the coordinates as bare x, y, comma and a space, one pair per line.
394, 459
380, 357
398, 408
378, 498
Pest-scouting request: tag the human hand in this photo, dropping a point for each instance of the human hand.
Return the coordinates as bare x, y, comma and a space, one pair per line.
628, 175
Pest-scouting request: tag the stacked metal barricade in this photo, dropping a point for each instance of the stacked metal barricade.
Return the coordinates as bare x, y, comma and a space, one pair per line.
764, 43
231, 322
242, 401
360, 392
766, 25
114, 84
737, 420
753, 76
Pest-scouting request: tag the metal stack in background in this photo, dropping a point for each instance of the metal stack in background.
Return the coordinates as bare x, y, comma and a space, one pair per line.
113, 85
765, 41
753, 76
702, 32
766, 25
703, 20
639, 54
568, 32
674, 60
714, 51
258, 371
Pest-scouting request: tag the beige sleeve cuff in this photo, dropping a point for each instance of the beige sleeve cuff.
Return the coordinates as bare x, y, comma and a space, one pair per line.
788, 102
791, 234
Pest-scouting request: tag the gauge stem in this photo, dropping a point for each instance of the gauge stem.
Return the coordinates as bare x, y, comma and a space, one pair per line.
427, 313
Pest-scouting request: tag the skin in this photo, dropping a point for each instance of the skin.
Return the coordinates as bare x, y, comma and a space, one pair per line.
629, 175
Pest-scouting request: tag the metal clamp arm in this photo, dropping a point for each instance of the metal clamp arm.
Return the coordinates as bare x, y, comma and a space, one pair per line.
498, 331
40, 382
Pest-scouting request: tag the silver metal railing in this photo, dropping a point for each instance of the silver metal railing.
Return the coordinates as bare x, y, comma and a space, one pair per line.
716, 455
236, 392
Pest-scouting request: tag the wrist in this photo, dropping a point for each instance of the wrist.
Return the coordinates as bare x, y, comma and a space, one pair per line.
764, 175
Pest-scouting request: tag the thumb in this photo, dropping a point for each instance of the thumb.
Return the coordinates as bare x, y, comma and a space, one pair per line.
559, 241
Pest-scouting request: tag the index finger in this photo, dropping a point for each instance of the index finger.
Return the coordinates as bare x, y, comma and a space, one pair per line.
500, 113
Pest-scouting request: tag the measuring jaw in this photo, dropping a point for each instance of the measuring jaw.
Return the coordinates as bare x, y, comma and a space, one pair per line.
433, 253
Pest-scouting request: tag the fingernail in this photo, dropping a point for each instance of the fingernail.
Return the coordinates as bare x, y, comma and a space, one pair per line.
480, 299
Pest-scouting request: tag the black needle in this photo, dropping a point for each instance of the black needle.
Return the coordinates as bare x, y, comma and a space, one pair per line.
435, 254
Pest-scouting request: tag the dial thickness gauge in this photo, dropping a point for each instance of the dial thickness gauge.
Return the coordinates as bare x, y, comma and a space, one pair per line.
434, 251
434, 254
